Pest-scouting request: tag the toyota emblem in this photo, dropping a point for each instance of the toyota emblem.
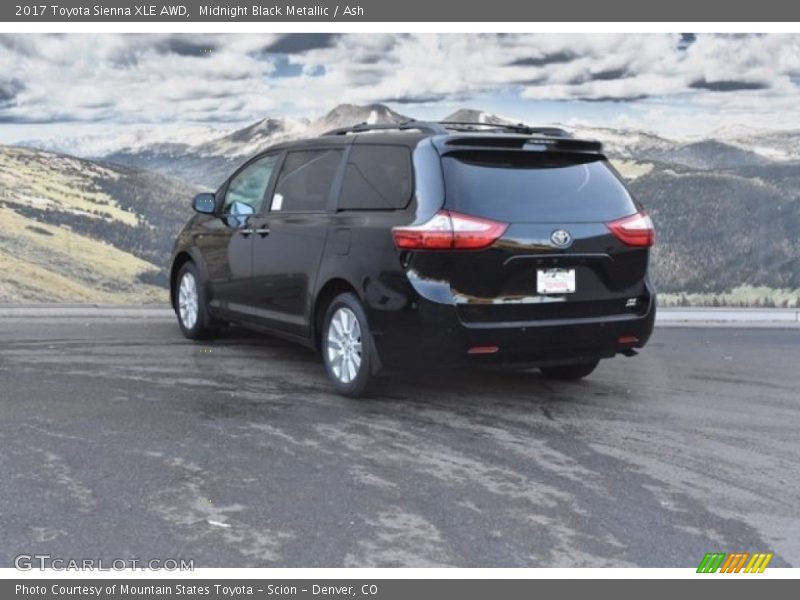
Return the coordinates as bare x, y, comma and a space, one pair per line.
561, 238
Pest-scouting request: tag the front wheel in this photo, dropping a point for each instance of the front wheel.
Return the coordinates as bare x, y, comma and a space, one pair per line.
190, 304
569, 372
347, 346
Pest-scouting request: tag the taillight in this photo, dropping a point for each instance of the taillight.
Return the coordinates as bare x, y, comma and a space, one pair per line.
636, 230
448, 230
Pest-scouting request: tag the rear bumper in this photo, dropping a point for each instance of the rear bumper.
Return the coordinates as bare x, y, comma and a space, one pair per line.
430, 334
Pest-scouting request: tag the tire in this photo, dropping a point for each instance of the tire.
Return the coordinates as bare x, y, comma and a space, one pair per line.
190, 304
569, 372
347, 347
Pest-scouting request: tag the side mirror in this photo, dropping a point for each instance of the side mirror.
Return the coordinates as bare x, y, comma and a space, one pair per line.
205, 203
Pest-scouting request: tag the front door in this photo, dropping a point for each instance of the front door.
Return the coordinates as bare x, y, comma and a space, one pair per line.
228, 245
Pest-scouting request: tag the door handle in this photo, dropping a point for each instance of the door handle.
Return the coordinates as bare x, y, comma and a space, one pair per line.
246, 232
262, 231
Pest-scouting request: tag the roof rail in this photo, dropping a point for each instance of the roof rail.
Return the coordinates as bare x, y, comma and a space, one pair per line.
411, 124
442, 127
514, 127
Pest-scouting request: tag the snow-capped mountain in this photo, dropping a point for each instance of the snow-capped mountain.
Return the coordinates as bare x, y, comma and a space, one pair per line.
625, 143
471, 115
253, 138
346, 115
204, 155
774, 145
698, 153
126, 140
262, 134
779, 145
209, 161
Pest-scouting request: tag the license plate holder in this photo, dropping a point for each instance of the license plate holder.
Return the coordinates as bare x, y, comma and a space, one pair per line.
555, 281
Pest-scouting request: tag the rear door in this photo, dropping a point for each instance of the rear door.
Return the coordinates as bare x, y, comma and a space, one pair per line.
290, 236
557, 258
377, 186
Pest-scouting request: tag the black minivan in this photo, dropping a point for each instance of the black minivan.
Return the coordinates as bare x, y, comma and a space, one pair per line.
424, 244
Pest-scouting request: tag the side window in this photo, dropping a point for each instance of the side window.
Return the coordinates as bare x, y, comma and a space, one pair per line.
305, 180
377, 178
248, 187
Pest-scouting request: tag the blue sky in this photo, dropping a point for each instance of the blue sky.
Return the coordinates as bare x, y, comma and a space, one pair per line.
678, 84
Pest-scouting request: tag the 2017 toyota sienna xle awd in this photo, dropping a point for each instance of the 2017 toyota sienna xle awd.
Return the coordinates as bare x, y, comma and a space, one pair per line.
424, 244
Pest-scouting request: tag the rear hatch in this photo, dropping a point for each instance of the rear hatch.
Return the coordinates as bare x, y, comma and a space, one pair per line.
557, 255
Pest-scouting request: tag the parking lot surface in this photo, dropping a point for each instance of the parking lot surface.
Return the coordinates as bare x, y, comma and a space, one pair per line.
121, 439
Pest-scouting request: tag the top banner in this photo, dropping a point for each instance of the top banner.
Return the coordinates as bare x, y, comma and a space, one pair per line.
465, 11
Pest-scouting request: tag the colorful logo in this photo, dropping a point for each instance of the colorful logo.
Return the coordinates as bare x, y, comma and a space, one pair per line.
714, 562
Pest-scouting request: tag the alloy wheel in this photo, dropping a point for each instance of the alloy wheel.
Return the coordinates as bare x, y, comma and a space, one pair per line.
344, 345
188, 301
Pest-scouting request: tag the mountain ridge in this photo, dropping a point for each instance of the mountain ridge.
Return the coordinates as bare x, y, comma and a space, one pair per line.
726, 213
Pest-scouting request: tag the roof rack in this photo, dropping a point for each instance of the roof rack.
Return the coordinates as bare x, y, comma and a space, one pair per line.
442, 127
411, 124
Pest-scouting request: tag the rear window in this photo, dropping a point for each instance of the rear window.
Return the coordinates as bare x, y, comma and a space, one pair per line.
377, 178
534, 186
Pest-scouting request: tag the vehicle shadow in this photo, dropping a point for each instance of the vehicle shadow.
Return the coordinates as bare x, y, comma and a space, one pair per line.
498, 385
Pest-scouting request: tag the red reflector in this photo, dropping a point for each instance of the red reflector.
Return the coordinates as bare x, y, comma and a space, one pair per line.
483, 350
628, 339
448, 230
636, 230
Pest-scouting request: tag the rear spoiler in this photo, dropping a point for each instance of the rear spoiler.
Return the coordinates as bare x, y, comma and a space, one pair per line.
540, 143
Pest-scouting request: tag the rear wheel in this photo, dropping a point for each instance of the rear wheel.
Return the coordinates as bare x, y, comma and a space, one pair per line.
347, 346
569, 372
190, 304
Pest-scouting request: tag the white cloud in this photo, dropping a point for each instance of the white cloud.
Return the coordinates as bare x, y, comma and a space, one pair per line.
237, 78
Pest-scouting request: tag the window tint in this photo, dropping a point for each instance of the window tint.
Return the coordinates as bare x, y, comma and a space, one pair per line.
305, 180
534, 186
377, 178
249, 185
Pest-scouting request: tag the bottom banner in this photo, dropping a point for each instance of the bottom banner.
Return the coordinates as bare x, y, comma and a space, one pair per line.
392, 589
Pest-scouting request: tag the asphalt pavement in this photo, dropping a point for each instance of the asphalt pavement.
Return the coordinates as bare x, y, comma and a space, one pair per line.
121, 439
